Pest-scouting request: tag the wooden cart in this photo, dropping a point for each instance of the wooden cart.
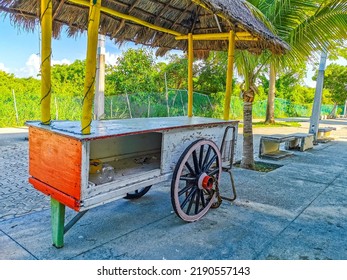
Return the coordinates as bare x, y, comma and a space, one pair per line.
85, 164
191, 152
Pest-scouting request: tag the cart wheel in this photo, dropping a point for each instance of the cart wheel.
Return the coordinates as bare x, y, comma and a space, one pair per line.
138, 193
194, 181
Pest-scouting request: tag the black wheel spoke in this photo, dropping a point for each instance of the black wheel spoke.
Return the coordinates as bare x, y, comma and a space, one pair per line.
189, 179
196, 164
188, 198
197, 201
213, 172
189, 168
191, 202
208, 165
207, 156
203, 200
201, 156
185, 189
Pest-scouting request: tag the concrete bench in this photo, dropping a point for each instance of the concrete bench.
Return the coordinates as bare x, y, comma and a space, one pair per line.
270, 146
302, 142
324, 134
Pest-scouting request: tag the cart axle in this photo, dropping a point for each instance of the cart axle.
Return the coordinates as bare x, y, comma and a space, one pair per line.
205, 182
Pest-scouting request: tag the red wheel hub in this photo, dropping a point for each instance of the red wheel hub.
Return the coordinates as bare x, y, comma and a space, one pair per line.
205, 182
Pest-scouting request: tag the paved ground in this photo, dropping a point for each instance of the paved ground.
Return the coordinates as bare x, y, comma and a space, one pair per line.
295, 212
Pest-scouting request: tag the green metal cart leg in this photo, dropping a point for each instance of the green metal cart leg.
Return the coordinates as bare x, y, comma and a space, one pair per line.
57, 220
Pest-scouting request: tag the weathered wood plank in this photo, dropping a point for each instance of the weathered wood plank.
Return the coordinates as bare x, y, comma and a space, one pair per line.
56, 161
112, 128
176, 141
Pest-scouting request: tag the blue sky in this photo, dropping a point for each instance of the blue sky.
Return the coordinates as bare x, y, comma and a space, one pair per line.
20, 51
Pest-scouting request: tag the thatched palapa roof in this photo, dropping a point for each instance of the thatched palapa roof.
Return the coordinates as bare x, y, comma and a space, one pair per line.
180, 16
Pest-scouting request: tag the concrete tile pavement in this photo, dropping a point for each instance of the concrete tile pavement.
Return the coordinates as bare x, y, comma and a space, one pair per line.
295, 212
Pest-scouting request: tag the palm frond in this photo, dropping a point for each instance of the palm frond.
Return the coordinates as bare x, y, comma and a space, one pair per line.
258, 13
319, 31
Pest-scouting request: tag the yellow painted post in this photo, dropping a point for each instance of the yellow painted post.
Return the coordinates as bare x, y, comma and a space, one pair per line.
231, 53
46, 53
89, 82
190, 74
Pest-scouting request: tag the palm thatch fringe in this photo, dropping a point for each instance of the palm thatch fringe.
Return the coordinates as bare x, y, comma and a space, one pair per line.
183, 16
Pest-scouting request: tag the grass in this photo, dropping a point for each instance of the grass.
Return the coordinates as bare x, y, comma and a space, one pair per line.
277, 124
261, 166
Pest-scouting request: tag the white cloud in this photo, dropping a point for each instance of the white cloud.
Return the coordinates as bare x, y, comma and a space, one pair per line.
32, 66
3, 67
60, 62
111, 58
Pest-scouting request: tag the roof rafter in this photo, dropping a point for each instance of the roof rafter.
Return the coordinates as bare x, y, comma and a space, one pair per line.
128, 17
60, 6
240, 36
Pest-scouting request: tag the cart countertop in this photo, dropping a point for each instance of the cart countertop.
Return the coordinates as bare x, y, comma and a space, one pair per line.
122, 127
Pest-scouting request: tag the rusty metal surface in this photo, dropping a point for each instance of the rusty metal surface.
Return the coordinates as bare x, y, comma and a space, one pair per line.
111, 128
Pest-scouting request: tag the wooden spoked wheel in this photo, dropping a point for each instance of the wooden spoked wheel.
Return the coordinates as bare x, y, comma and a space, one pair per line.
138, 193
195, 178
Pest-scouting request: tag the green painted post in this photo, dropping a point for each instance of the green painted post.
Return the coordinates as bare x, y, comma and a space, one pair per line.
57, 220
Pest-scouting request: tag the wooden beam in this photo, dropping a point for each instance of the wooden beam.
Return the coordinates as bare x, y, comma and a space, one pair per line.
239, 36
195, 19
133, 5
130, 18
175, 22
190, 74
58, 9
218, 14
89, 82
46, 54
162, 11
230, 72
200, 3
252, 39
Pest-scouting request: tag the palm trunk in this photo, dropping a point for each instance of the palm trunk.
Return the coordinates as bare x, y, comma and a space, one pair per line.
247, 151
270, 108
333, 112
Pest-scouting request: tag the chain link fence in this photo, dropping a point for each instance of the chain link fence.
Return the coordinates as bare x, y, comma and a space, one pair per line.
146, 105
142, 105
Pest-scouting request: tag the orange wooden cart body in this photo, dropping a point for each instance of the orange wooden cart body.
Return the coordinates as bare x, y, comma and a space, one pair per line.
53, 172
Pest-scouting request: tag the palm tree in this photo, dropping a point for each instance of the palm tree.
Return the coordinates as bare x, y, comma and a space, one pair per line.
248, 67
307, 26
